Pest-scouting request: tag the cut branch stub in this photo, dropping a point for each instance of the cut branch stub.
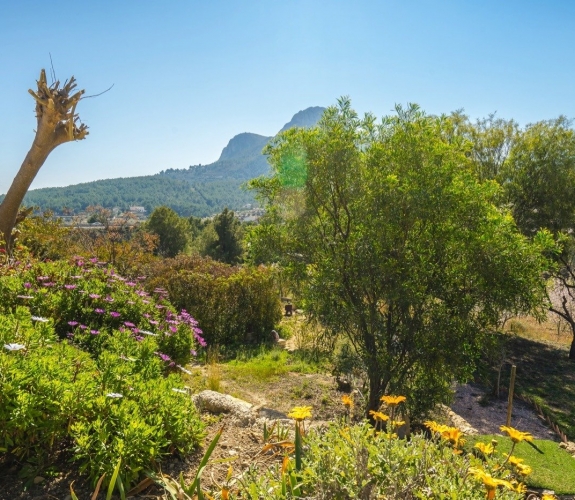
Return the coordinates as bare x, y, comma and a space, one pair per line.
57, 123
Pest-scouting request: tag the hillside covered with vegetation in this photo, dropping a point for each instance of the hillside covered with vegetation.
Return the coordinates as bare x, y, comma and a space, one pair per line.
200, 190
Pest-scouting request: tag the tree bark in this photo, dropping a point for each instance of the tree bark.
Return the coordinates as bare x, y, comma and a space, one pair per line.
56, 124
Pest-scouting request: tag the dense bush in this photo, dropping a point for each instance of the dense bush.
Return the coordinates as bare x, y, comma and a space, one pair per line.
116, 406
88, 301
233, 304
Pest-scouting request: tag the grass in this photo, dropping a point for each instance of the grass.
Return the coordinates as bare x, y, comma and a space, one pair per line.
546, 375
266, 364
553, 468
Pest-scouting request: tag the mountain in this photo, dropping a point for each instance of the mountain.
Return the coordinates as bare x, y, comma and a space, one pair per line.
199, 190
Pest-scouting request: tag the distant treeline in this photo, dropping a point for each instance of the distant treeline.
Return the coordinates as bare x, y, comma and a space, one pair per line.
199, 199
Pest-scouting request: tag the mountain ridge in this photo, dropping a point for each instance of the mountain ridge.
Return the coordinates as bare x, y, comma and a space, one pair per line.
199, 190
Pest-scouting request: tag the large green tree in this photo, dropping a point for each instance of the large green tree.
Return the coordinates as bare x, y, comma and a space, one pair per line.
538, 179
171, 229
396, 244
223, 240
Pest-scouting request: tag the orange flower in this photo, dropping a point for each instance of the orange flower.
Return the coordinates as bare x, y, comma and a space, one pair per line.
347, 401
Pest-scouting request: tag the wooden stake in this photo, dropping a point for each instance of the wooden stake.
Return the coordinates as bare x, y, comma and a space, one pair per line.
510, 397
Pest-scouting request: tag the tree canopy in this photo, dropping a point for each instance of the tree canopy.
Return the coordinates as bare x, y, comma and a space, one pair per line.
394, 241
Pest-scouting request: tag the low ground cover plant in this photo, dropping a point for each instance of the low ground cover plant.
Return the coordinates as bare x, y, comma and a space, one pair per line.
74, 376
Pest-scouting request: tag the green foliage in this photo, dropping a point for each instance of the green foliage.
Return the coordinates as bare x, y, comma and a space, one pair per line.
172, 231
233, 305
225, 245
354, 462
93, 305
539, 177
395, 243
187, 196
108, 408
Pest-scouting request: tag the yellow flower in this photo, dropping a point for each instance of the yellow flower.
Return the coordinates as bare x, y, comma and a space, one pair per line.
489, 482
547, 496
519, 487
435, 427
300, 412
486, 449
393, 400
514, 460
378, 415
515, 435
397, 423
347, 401
453, 435
523, 469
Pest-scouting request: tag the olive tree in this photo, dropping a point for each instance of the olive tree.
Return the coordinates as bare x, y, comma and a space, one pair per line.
57, 123
396, 244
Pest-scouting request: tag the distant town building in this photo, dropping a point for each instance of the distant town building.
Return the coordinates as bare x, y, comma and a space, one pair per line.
138, 210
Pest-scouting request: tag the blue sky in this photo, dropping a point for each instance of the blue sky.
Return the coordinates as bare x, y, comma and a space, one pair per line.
189, 75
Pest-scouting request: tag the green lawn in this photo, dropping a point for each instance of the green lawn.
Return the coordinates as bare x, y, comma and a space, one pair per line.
553, 467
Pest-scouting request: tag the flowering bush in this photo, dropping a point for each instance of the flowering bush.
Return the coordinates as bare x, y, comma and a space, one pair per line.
88, 302
116, 405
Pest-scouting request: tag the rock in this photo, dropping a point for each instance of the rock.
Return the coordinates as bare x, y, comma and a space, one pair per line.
569, 447
38, 480
215, 402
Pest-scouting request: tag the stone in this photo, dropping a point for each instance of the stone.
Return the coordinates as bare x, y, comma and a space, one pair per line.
216, 403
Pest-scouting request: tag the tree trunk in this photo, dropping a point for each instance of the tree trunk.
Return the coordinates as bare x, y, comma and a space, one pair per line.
55, 113
572, 350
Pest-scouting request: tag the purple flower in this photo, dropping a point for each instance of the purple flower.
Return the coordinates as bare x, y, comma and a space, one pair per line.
94, 296
144, 301
129, 324
72, 323
27, 285
173, 329
146, 315
109, 299
154, 322
49, 283
42, 278
83, 327
138, 338
159, 306
93, 260
70, 335
130, 283
76, 277
115, 314
131, 302
94, 332
141, 293
70, 287
164, 357
193, 353
99, 311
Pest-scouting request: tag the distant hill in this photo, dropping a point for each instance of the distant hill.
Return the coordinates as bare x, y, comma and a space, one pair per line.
199, 190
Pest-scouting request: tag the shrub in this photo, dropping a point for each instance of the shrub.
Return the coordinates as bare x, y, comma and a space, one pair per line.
116, 406
233, 304
87, 301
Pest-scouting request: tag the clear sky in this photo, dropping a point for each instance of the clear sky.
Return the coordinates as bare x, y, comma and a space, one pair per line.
188, 74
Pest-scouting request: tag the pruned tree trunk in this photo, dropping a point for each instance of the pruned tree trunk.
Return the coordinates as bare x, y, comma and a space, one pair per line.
57, 124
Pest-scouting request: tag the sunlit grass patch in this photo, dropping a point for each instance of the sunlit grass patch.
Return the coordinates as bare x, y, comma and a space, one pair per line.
553, 468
